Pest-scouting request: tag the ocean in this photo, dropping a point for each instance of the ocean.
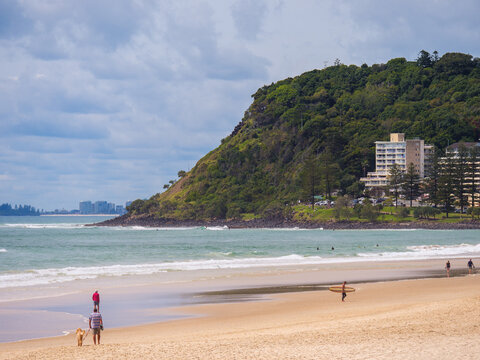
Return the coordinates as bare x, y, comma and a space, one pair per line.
36, 251
49, 265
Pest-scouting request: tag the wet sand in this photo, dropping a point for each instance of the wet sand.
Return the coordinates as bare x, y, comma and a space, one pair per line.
407, 319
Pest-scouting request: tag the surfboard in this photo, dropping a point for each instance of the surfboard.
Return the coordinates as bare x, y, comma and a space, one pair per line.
338, 289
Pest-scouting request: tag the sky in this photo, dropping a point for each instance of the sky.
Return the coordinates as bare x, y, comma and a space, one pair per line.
109, 99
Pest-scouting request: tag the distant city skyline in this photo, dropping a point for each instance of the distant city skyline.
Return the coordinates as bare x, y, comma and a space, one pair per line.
84, 207
101, 207
110, 99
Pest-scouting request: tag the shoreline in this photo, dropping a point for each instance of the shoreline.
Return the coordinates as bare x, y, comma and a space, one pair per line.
149, 221
415, 319
154, 302
81, 215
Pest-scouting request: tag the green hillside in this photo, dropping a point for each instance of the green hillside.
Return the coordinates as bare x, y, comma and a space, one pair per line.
323, 124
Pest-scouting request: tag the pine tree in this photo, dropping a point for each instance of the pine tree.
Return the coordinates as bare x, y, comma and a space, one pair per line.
411, 186
310, 179
329, 172
395, 181
446, 182
433, 175
461, 160
472, 169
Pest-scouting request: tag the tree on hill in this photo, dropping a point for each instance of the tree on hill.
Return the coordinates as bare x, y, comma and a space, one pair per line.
424, 59
411, 187
431, 183
395, 181
182, 173
472, 170
329, 171
461, 160
310, 179
446, 183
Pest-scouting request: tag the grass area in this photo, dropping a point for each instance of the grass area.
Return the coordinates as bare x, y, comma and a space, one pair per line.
305, 213
249, 216
387, 214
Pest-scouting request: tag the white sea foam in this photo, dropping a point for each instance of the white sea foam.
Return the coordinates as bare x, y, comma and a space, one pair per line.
52, 276
422, 252
291, 229
147, 228
3, 250
217, 228
219, 254
219, 262
79, 226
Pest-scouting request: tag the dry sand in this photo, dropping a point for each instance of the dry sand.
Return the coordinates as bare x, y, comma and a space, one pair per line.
409, 319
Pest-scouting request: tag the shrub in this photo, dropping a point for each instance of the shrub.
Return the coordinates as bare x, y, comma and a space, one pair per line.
369, 212
425, 212
403, 212
475, 212
342, 208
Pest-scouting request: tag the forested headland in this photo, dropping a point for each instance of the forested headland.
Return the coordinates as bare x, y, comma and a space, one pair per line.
322, 125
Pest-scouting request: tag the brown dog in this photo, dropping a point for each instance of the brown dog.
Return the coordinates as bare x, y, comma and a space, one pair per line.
80, 333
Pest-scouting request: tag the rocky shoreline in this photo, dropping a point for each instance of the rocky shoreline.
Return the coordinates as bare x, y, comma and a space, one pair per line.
150, 221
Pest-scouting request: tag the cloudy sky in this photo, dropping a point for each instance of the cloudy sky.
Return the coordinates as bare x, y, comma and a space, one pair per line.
108, 99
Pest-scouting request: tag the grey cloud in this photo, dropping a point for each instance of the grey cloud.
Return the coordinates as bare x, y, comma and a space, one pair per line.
237, 65
113, 22
69, 104
58, 128
87, 23
197, 45
12, 20
404, 28
248, 16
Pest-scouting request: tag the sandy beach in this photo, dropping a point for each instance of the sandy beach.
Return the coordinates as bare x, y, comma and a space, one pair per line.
407, 319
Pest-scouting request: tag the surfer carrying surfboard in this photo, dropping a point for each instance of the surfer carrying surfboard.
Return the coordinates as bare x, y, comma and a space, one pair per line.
344, 293
341, 289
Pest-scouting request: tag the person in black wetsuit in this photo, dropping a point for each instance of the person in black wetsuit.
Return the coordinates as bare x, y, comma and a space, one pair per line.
344, 294
470, 266
447, 267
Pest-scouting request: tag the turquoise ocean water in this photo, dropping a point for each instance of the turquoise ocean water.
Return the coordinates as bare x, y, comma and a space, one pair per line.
37, 251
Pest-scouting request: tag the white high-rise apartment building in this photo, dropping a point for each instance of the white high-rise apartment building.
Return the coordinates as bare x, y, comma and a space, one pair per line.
396, 151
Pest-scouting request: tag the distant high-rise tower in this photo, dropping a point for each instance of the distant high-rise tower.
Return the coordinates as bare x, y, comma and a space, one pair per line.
86, 207
101, 207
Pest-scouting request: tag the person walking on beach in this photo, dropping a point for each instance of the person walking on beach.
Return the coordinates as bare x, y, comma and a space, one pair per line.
470, 266
95, 322
344, 293
447, 267
96, 300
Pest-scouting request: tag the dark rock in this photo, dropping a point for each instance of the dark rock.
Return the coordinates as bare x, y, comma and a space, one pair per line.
151, 221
